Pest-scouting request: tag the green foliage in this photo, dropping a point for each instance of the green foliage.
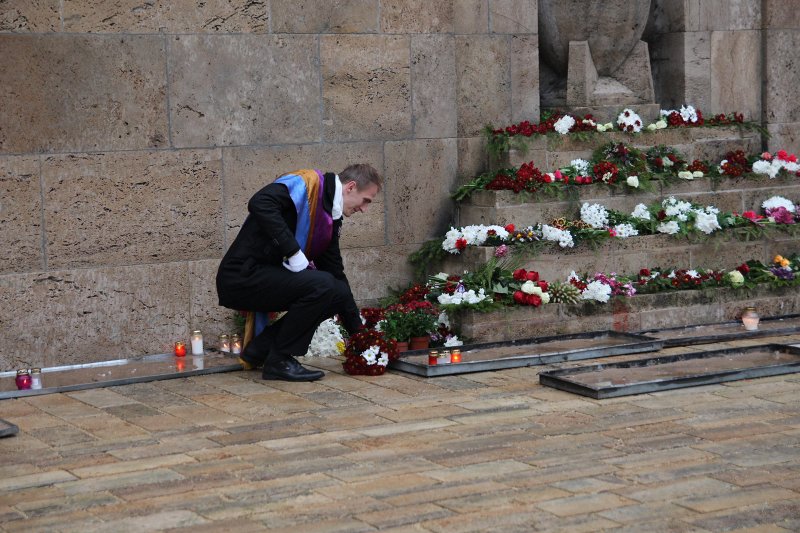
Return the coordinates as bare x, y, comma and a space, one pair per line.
478, 183
401, 325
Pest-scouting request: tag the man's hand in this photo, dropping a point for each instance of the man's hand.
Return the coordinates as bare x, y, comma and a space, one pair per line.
297, 262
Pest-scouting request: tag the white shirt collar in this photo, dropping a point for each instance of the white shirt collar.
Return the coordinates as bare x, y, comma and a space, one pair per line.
338, 200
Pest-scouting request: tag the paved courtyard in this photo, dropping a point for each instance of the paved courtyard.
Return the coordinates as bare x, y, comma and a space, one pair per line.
491, 451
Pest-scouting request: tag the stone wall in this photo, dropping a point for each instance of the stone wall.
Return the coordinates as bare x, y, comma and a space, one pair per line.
132, 134
731, 55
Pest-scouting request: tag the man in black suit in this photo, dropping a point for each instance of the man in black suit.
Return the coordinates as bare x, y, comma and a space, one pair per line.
286, 257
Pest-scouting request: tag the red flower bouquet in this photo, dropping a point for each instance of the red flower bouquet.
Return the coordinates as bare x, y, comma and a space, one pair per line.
368, 353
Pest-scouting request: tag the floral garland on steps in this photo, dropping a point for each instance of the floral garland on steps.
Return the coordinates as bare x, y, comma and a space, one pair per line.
597, 223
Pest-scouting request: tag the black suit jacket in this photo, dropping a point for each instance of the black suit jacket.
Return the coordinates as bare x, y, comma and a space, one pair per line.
267, 237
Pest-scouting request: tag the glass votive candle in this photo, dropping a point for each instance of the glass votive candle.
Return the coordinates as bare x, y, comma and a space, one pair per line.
433, 357
455, 355
23, 379
36, 378
197, 342
236, 344
224, 343
180, 349
750, 319
444, 357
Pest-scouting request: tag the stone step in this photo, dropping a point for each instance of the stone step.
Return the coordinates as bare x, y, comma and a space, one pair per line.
638, 313
628, 256
737, 195
549, 152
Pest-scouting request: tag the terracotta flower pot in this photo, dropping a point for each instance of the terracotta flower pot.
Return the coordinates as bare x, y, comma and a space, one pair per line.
402, 346
419, 343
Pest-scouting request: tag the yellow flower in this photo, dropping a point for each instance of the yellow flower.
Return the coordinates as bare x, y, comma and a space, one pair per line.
340, 347
781, 261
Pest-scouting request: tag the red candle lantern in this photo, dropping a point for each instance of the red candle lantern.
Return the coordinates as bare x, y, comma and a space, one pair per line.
180, 349
455, 356
433, 357
23, 379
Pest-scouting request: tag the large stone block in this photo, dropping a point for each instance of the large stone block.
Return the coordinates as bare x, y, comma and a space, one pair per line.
313, 16
736, 72
30, 16
472, 159
514, 16
782, 71
205, 313
370, 270
366, 82
417, 16
243, 89
433, 74
78, 92
524, 78
471, 16
420, 175
697, 69
134, 16
20, 214
132, 207
722, 15
781, 14
247, 170
85, 315
784, 136
483, 84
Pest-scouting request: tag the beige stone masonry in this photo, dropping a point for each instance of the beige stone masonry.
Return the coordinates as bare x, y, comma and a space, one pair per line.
366, 87
82, 93
126, 208
20, 215
273, 98
310, 16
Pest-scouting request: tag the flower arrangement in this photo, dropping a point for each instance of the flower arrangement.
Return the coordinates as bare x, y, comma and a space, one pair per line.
368, 353
671, 216
327, 340
772, 166
530, 290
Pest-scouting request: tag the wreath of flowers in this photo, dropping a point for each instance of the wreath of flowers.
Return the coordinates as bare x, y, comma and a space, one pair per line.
368, 353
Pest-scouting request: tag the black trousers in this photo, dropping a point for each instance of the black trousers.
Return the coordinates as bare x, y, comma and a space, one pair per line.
309, 297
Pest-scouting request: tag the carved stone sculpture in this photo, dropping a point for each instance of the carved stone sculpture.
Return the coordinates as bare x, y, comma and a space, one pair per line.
593, 56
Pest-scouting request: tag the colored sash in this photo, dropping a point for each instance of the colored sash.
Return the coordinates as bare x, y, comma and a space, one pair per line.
313, 233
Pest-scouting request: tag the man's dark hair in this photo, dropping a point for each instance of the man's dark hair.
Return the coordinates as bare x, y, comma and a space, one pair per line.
363, 174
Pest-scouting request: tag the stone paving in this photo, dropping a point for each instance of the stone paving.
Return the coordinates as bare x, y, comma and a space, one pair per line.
491, 451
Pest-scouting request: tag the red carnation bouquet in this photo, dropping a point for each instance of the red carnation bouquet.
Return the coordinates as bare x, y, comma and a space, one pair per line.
368, 353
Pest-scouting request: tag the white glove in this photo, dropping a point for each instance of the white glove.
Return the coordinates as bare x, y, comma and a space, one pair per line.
297, 262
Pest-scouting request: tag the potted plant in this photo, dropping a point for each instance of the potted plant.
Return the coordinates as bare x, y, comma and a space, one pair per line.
411, 322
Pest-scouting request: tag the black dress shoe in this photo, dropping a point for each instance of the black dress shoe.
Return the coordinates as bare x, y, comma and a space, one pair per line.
288, 369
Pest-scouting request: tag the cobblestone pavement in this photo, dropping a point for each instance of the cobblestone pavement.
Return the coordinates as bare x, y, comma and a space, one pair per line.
491, 451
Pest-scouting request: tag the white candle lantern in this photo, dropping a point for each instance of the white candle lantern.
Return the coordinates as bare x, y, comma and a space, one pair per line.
197, 342
750, 319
